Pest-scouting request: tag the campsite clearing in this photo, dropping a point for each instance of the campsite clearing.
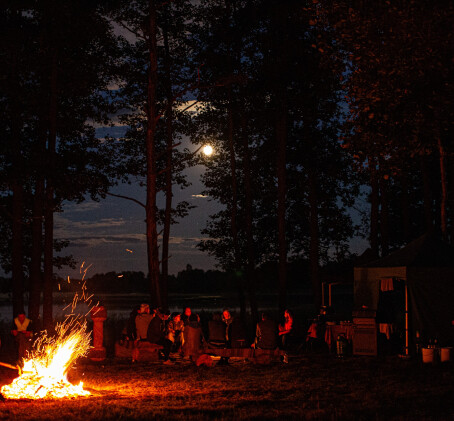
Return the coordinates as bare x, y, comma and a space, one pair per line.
309, 387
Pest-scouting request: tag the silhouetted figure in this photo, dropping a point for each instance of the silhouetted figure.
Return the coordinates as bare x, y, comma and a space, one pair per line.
194, 339
238, 336
157, 331
266, 333
142, 322
217, 332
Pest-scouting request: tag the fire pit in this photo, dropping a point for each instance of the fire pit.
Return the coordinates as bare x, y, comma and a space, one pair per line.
43, 375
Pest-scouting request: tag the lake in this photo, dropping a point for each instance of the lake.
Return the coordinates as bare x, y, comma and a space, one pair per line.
120, 305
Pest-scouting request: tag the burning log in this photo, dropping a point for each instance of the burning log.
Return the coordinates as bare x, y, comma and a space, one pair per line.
13, 367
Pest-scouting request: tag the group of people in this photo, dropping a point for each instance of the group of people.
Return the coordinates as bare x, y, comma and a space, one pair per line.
182, 332
172, 331
269, 335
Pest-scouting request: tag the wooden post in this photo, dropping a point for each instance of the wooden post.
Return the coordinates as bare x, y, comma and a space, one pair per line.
323, 293
98, 315
329, 294
406, 319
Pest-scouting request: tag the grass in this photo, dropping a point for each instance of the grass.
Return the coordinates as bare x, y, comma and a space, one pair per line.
310, 387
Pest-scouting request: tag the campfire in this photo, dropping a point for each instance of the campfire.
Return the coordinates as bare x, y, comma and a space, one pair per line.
43, 375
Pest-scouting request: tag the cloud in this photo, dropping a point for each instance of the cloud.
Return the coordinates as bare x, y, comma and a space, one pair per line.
102, 240
82, 207
184, 241
65, 223
199, 196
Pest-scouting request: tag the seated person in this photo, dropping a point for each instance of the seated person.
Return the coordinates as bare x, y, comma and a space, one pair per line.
22, 332
131, 330
238, 335
156, 333
315, 334
174, 332
193, 338
142, 322
266, 333
186, 314
217, 332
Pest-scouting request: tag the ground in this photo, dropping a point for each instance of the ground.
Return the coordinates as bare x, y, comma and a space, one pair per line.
311, 386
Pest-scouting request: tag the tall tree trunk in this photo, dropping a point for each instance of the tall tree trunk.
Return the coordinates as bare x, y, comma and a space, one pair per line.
17, 249
36, 270
168, 174
281, 136
405, 206
427, 194
234, 211
250, 271
314, 239
384, 216
150, 207
48, 320
444, 190
36, 276
374, 207
451, 196
17, 188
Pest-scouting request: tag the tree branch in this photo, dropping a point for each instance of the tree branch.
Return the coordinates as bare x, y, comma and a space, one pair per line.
127, 198
137, 34
187, 157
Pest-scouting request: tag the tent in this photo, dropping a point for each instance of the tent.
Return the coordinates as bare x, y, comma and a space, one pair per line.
426, 266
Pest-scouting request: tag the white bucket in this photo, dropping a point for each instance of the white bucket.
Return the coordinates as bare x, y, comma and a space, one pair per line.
445, 354
428, 355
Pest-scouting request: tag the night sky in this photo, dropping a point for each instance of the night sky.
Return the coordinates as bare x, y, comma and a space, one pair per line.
110, 234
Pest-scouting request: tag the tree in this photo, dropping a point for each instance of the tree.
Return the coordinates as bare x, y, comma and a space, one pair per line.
154, 86
398, 82
290, 93
61, 156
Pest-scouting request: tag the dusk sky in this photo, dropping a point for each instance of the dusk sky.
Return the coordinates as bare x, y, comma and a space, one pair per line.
109, 235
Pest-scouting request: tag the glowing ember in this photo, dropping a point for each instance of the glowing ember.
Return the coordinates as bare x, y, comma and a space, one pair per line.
44, 372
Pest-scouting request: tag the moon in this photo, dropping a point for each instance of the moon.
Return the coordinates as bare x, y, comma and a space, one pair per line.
207, 150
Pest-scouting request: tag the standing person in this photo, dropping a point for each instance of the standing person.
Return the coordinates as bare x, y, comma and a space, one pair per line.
286, 329
227, 319
266, 333
22, 332
157, 333
131, 331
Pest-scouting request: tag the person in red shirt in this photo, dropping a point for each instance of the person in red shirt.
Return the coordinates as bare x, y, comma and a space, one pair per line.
286, 329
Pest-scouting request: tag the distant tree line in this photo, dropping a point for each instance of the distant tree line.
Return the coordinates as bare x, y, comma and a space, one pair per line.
309, 105
188, 281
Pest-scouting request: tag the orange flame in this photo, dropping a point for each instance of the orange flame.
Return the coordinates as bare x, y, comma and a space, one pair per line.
44, 372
